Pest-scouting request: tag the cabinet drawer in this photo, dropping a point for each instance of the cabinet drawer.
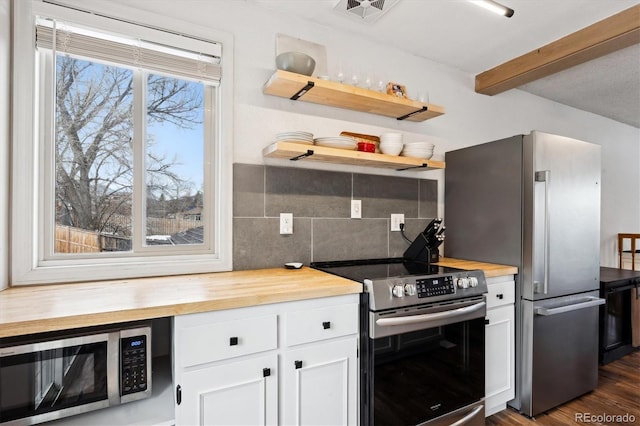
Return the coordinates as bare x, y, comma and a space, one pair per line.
319, 324
501, 293
221, 340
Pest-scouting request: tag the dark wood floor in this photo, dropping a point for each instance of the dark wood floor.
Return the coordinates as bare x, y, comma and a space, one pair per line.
618, 393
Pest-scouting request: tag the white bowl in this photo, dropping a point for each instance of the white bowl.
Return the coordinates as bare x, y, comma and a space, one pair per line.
395, 137
391, 148
417, 153
420, 144
297, 62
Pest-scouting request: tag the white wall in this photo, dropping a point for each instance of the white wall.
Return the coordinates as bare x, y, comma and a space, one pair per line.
5, 140
470, 118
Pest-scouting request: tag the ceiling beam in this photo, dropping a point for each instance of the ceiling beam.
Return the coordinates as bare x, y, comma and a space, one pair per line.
613, 33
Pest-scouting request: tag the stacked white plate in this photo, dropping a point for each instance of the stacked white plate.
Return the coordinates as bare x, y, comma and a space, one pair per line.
297, 137
418, 150
342, 142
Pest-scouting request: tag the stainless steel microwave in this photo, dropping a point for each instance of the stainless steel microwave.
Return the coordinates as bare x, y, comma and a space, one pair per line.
55, 376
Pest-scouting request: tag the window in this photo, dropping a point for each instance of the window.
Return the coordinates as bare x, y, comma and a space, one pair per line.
129, 165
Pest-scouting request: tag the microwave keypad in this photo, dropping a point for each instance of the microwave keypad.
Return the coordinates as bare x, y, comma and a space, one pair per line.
134, 364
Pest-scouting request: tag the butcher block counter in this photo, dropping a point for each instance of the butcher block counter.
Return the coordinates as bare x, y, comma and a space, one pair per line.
490, 269
35, 309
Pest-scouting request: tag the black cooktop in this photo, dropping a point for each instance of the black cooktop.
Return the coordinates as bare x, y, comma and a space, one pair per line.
359, 270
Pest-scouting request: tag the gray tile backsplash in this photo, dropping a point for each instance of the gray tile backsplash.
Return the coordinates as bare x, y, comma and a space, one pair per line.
248, 190
344, 239
257, 243
383, 195
307, 193
321, 205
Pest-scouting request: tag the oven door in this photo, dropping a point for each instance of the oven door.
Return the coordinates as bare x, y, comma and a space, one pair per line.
426, 365
48, 380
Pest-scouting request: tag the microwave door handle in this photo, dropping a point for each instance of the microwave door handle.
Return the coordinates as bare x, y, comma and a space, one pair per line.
545, 176
414, 319
589, 302
469, 416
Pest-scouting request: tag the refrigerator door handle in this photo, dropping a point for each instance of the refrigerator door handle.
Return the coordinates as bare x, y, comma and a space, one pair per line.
588, 303
545, 176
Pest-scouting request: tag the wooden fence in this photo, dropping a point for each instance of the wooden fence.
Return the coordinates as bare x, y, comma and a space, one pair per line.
76, 240
155, 225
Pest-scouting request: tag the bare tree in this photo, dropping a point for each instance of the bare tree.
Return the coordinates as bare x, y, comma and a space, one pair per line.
94, 129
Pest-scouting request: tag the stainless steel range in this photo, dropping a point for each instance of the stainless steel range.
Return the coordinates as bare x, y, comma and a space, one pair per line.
422, 341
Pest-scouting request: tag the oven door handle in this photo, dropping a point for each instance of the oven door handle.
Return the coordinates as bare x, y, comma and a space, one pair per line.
414, 319
469, 416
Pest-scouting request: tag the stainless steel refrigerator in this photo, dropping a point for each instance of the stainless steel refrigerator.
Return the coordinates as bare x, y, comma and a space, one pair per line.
533, 201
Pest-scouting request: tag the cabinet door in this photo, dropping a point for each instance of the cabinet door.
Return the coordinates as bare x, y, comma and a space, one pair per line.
321, 384
238, 393
499, 358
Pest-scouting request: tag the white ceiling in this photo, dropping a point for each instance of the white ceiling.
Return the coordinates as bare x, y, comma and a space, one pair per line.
466, 37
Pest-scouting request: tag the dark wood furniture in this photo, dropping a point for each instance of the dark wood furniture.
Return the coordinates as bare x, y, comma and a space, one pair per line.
617, 324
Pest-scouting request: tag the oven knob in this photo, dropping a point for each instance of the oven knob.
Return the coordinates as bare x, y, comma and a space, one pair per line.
473, 281
398, 290
463, 283
410, 289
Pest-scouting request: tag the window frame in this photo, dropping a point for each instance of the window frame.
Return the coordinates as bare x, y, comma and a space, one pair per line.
30, 263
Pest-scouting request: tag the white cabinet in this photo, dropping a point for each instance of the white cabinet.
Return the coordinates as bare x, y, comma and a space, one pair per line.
244, 392
319, 383
500, 344
320, 366
289, 363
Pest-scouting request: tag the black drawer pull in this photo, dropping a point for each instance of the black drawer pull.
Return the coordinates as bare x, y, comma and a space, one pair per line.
326, 324
233, 341
179, 394
500, 296
298, 364
266, 372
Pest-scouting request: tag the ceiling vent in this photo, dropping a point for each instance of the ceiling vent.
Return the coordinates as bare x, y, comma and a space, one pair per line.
365, 10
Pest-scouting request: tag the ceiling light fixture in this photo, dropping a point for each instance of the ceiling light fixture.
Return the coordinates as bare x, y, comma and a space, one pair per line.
364, 10
495, 7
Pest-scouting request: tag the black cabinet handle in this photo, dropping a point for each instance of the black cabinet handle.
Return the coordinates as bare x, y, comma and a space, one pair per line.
178, 394
298, 364
233, 341
266, 372
486, 321
326, 324
500, 296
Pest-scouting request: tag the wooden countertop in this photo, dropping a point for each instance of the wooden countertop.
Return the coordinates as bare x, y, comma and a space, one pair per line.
35, 309
490, 269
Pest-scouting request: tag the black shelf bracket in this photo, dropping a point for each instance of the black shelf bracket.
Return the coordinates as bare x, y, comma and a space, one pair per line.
301, 156
424, 166
302, 91
423, 109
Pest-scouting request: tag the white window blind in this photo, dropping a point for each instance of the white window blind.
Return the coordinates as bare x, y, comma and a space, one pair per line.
66, 38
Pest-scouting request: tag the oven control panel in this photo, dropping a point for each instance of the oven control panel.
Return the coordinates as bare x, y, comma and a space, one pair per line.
396, 292
436, 286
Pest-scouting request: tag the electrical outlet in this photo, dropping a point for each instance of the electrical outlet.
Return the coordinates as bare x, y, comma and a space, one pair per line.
286, 223
396, 220
356, 209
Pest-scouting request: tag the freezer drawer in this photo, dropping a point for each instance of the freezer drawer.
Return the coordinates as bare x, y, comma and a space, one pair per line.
561, 362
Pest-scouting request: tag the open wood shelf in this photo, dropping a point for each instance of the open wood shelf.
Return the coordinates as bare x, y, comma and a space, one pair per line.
303, 152
309, 89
